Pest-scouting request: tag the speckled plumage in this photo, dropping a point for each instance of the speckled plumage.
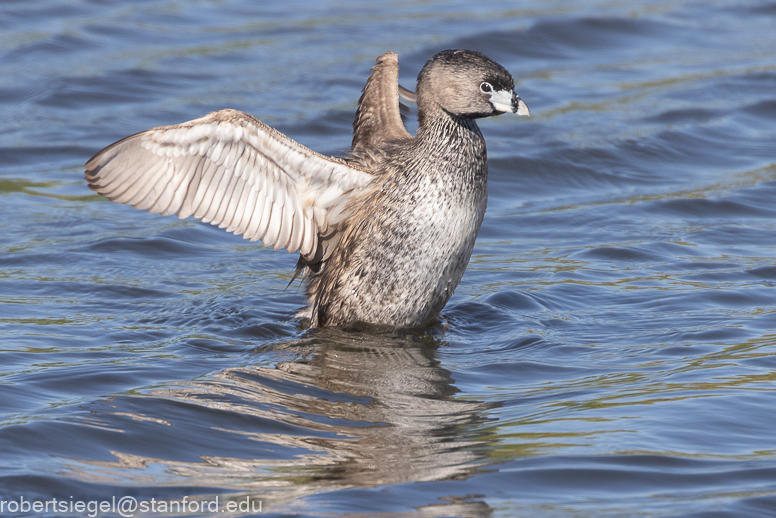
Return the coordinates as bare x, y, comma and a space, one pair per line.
385, 235
406, 245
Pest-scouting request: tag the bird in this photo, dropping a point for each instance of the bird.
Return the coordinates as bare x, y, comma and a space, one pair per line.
384, 234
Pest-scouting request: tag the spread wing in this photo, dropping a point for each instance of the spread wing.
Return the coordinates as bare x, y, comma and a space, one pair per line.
234, 171
378, 118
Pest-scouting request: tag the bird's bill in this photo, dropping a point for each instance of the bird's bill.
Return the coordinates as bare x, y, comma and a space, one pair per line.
507, 101
522, 108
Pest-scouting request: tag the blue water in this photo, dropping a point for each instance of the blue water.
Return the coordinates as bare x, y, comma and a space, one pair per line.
611, 350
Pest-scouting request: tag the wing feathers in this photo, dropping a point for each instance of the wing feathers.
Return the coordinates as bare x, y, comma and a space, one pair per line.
187, 208
248, 200
378, 118
231, 215
230, 170
273, 224
218, 190
297, 226
176, 189
253, 223
135, 192
308, 241
203, 189
255, 206
240, 214
226, 200
286, 222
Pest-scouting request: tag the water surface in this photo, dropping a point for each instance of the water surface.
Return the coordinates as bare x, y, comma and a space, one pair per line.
611, 350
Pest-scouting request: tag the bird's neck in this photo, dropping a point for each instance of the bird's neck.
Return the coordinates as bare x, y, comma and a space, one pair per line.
443, 131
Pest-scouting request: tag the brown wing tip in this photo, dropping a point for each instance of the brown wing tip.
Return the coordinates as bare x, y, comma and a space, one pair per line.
91, 164
389, 58
91, 174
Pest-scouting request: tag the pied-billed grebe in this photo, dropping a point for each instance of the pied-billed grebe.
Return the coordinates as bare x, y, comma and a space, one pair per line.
385, 234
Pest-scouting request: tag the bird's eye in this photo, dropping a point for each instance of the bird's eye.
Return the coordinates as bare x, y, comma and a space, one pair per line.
486, 88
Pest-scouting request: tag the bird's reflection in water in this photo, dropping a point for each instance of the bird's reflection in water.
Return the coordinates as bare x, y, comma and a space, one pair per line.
411, 427
348, 410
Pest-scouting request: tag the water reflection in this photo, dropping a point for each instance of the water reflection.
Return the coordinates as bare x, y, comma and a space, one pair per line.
346, 410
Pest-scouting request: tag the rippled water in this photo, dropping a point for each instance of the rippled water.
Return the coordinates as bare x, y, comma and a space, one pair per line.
610, 352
